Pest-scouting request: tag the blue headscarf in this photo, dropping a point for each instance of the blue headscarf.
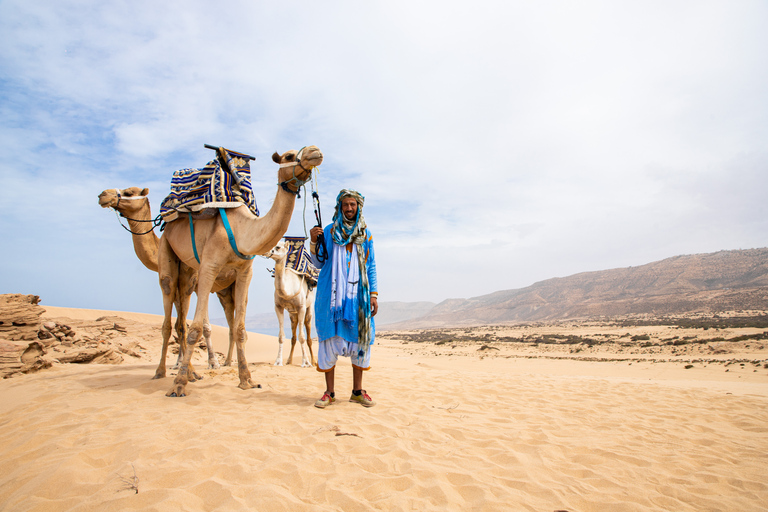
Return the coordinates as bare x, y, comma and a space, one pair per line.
353, 231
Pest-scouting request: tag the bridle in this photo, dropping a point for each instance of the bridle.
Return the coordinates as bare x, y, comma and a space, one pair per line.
295, 180
157, 221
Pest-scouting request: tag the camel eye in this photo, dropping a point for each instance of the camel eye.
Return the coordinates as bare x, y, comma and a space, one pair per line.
290, 157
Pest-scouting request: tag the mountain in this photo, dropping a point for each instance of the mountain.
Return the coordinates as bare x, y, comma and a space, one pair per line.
395, 312
389, 313
714, 282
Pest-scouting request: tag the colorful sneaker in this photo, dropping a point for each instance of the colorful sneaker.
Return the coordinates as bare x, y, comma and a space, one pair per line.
325, 401
364, 399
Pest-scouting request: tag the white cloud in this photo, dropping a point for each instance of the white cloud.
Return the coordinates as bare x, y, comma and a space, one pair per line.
546, 138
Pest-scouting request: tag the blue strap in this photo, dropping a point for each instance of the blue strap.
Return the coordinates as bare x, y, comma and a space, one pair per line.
231, 236
192, 234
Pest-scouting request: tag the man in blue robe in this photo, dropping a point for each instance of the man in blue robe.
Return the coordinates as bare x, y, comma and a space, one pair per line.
347, 295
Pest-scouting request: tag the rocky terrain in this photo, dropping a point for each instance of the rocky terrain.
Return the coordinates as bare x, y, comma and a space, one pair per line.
29, 343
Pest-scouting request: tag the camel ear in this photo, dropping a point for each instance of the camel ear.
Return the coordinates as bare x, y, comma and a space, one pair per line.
145, 192
276, 158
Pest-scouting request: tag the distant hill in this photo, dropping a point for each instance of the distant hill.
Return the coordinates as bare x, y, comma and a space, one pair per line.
394, 312
721, 281
389, 313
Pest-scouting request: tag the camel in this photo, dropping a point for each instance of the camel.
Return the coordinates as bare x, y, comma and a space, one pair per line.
133, 204
292, 292
251, 235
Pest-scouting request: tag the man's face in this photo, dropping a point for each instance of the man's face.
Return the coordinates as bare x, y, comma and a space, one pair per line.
349, 207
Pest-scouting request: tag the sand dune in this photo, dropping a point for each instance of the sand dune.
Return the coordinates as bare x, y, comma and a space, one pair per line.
452, 430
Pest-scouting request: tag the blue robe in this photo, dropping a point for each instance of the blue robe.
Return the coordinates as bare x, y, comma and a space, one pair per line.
325, 327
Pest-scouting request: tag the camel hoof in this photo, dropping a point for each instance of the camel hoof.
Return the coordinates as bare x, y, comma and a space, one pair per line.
214, 365
249, 385
227, 363
159, 376
278, 363
177, 391
195, 377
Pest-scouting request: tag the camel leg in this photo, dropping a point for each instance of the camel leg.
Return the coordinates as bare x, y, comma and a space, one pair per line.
294, 321
213, 361
187, 285
166, 329
206, 278
241, 302
181, 334
227, 300
300, 333
308, 325
168, 274
279, 311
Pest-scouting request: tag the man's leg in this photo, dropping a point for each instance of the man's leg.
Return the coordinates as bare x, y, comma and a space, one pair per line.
330, 380
357, 378
358, 395
328, 397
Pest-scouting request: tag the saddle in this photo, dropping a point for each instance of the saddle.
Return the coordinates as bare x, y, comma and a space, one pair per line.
298, 260
224, 182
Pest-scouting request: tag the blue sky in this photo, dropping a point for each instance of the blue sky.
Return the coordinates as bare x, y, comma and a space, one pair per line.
497, 144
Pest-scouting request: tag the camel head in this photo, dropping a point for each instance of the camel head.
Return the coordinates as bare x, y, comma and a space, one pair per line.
296, 166
125, 201
278, 252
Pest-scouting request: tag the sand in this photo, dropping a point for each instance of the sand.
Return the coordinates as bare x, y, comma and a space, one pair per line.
454, 429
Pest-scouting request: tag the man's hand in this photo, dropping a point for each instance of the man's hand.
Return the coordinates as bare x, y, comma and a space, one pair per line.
314, 233
374, 305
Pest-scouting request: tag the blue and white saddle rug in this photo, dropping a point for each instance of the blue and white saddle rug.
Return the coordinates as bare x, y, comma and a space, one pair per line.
298, 259
211, 186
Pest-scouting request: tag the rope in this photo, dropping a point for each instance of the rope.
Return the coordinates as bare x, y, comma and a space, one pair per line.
157, 221
304, 213
231, 236
322, 253
192, 235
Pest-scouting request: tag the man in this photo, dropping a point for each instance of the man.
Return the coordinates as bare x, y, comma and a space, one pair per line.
347, 295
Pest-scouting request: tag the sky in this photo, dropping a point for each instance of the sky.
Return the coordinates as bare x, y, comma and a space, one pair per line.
497, 143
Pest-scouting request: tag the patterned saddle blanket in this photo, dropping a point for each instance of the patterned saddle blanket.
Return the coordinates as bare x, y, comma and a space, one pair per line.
298, 259
212, 186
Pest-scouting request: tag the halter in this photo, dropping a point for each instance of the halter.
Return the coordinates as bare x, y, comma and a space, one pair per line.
157, 221
295, 180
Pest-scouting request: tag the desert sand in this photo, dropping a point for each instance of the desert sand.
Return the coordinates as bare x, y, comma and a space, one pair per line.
459, 425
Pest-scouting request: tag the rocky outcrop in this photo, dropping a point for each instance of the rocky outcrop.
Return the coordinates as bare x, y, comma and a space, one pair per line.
28, 344
19, 316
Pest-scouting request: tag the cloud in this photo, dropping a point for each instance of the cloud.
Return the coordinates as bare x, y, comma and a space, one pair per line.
539, 139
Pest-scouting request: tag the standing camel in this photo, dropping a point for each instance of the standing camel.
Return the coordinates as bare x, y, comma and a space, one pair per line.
293, 292
133, 204
220, 251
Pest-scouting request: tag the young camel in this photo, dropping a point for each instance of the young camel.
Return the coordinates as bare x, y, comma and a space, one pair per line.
133, 204
252, 235
292, 292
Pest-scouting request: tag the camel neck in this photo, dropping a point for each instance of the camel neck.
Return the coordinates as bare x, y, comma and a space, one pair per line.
257, 235
145, 245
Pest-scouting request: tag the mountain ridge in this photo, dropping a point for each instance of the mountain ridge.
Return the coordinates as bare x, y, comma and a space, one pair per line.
709, 282
719, 281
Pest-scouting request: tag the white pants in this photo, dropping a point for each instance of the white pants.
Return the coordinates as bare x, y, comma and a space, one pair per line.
328, 352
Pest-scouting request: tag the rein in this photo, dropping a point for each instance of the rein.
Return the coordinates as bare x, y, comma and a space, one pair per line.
295, 180
157, 221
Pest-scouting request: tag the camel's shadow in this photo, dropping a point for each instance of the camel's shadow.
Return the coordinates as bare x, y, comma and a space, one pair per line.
125, 377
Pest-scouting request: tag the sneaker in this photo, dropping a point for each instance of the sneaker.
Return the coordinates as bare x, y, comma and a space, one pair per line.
325, 401
364, 399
